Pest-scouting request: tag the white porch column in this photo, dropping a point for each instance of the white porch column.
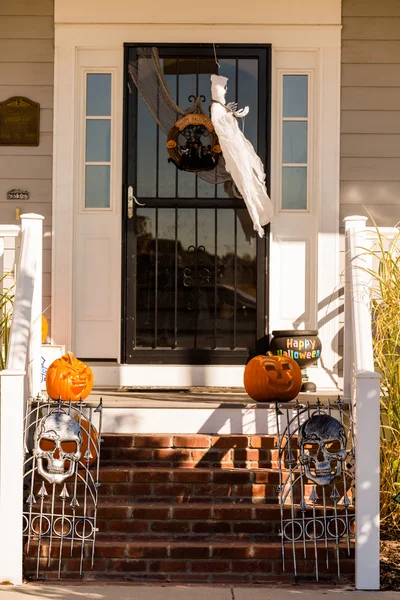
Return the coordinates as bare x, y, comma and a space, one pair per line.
352, 224
359, 360
11, 475
367, 440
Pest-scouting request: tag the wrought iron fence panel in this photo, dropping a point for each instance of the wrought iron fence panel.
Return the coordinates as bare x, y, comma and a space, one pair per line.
62, 442
316, 457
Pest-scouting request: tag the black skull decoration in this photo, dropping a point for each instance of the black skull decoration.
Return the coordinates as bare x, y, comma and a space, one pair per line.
322, 443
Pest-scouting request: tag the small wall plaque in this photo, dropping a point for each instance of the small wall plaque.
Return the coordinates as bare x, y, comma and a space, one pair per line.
19, 122
17, 195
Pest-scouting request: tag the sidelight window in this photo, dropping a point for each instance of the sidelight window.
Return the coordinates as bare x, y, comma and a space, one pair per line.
98, 140
295, 130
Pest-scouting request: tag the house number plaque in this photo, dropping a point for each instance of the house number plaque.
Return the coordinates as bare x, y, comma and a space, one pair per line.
19, 122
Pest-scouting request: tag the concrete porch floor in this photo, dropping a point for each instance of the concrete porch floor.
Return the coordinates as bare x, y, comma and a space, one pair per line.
194, 398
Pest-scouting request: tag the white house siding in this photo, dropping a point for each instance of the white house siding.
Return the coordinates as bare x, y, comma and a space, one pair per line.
26, 69
370, 112
370, 129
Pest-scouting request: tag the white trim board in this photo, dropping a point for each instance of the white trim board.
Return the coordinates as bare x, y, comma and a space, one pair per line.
158, 11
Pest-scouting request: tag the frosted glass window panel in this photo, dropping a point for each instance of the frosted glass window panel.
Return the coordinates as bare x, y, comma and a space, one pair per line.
295, 96
98, 140
294, 188
97, 186
98, 94
294, 142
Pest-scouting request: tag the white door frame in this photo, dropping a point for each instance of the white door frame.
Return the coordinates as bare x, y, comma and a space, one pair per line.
318, 46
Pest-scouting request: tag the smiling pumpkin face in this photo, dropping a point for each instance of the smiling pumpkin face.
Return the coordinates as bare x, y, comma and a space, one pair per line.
69, 379
268, 378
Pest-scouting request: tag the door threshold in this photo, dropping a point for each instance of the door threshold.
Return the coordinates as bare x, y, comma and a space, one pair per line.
184, 390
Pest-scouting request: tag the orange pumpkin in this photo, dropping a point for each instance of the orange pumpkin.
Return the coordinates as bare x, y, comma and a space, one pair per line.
70, 447
94, 440
269, 377
45, 328
69, 379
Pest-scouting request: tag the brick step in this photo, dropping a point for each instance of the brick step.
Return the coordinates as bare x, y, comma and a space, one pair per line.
194, 562
192, 458
187, 522
199, 451
195, 485
182, 485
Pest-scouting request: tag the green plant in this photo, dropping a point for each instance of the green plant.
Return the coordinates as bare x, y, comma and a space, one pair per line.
385, 293
6, 309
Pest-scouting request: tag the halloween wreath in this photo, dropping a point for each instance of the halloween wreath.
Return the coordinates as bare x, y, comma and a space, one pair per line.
192, 144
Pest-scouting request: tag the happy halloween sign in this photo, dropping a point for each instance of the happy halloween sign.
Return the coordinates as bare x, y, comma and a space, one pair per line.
304, 349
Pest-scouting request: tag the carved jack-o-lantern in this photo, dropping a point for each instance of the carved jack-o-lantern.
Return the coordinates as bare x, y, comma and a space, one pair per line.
271, 377
69, 379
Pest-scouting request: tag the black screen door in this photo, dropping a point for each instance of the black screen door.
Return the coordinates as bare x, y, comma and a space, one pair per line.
194, 272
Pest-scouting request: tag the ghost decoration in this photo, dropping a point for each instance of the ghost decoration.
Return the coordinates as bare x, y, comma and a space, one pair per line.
322, 444
242, 162
57, 446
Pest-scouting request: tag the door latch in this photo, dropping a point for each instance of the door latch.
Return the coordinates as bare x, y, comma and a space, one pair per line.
131, 200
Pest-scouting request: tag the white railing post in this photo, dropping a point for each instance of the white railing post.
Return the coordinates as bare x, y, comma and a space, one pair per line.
11, 475
366, 398
26, 328
24, 353
35, 222
367, 472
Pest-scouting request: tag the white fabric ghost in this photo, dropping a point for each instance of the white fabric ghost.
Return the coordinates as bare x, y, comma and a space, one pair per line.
242, 162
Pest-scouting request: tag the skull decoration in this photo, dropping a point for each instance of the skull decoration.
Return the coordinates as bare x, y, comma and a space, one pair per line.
322, 443
63, 434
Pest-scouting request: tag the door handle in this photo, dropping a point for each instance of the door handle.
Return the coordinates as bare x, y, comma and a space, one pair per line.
131, 200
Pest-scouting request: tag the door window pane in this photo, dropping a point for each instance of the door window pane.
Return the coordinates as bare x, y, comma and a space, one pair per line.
248, 96
98, 140
98, 94
244, 72
295, 96
294, 143
97, 188
145, 225
294, 188
246, 281
146, 153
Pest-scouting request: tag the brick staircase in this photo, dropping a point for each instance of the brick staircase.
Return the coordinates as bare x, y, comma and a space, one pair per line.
190, 509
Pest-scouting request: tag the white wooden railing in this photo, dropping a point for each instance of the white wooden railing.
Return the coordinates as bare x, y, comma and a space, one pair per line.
362, 386
20, 380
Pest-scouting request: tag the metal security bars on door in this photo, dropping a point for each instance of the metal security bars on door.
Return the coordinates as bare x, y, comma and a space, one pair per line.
62, 458
195, 273
316, 488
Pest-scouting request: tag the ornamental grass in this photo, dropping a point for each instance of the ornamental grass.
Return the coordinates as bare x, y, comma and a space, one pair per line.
385, 294
6, 309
